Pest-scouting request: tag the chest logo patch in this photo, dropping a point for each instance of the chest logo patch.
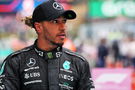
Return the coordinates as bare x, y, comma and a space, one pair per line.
66, 65
31, 62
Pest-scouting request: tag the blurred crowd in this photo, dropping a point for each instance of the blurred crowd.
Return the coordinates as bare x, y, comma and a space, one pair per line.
117, 53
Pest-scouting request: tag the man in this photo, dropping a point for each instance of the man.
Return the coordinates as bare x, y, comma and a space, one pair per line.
46, 65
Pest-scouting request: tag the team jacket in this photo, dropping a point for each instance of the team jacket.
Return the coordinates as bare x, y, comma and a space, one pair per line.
34, 69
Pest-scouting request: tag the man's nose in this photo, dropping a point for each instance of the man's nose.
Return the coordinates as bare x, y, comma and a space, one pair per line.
63, 26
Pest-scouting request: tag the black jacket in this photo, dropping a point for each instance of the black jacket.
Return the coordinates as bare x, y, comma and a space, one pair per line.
34, 69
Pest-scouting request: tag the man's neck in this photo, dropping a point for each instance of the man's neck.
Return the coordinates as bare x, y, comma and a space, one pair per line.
44, 45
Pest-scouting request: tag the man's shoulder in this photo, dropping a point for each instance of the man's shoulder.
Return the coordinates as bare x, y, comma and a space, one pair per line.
26, 49
74, 54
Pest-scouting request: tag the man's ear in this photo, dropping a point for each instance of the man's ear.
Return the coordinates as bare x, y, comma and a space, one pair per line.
38, 27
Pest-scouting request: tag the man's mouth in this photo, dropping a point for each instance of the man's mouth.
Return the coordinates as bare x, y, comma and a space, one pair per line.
63, 35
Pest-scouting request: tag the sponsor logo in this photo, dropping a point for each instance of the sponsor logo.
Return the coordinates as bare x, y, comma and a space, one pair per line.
58, 49
66, 65
31, 68
66, 77
65, 83
1, 76
50, 55
31, 82
57, 6
66, 70
58, 54
31, 62
66, 86
2, 87
31, 75
40, 53
26, 76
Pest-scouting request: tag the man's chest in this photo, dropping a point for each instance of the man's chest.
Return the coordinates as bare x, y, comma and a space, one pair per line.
53, 74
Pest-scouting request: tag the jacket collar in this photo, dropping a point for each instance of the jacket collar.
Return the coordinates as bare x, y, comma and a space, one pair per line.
53, 54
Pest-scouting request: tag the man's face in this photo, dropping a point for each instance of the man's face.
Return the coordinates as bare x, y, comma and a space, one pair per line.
53, 32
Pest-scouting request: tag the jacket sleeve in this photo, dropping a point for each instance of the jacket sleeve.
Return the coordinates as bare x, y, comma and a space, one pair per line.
9, 74
85, 82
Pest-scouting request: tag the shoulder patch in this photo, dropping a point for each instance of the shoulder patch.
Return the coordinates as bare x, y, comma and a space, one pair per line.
75, 54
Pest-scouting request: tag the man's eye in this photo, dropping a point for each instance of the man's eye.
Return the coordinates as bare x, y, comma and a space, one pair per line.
58, 22
64, 21
54, 21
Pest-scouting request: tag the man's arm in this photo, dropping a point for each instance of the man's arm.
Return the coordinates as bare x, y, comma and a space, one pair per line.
9, 74
85, 82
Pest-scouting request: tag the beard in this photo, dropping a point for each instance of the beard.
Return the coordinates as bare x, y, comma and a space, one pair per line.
56, 44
